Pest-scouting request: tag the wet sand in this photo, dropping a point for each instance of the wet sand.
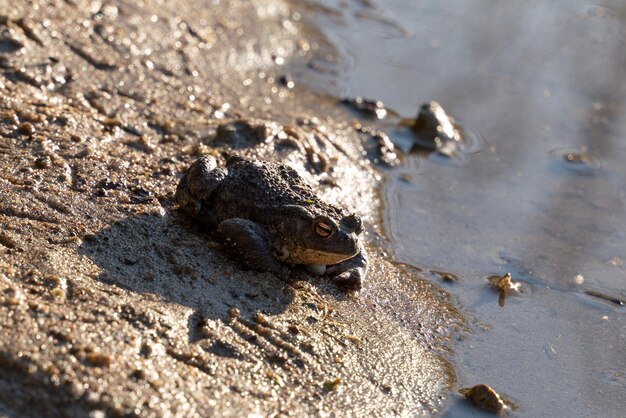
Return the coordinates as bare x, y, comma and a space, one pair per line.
537, 83
111, 304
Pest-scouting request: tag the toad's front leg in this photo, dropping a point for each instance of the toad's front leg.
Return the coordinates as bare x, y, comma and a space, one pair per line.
196, 190
351, 272
251, 245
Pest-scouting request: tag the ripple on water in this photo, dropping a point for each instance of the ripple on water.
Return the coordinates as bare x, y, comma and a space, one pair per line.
473, 142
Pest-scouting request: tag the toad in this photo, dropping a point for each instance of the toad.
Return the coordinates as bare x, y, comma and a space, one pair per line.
269, 219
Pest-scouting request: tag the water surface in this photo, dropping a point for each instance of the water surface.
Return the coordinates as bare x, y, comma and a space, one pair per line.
538, 81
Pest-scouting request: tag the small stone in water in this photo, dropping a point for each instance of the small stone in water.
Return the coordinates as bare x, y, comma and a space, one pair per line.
484, 397
504, 285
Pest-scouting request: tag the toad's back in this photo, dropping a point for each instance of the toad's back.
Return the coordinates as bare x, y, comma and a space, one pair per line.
253, 190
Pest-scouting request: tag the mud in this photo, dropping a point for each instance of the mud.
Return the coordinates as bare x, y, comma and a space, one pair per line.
111, 304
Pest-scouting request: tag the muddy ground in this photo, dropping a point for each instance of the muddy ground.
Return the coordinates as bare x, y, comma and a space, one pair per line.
110, 302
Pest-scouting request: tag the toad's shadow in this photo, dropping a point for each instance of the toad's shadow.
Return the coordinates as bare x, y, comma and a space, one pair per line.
158, 255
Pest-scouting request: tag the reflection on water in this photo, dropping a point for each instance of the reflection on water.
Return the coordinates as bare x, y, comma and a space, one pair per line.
544, 82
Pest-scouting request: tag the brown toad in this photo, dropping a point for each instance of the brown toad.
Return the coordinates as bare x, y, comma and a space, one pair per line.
270, 219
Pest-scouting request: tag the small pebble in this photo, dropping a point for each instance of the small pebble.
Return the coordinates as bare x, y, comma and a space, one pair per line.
286, 81
98, 359
331, 385
234, 313
58, 293
26, 128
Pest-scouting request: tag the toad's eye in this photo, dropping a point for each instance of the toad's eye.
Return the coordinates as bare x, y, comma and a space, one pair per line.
323, 229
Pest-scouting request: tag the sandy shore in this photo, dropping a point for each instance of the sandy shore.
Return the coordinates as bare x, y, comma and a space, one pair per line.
110, 303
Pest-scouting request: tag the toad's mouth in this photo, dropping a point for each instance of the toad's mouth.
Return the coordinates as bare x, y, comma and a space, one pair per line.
299, 255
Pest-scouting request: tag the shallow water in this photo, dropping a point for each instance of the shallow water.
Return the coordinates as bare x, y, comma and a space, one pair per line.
538, 82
